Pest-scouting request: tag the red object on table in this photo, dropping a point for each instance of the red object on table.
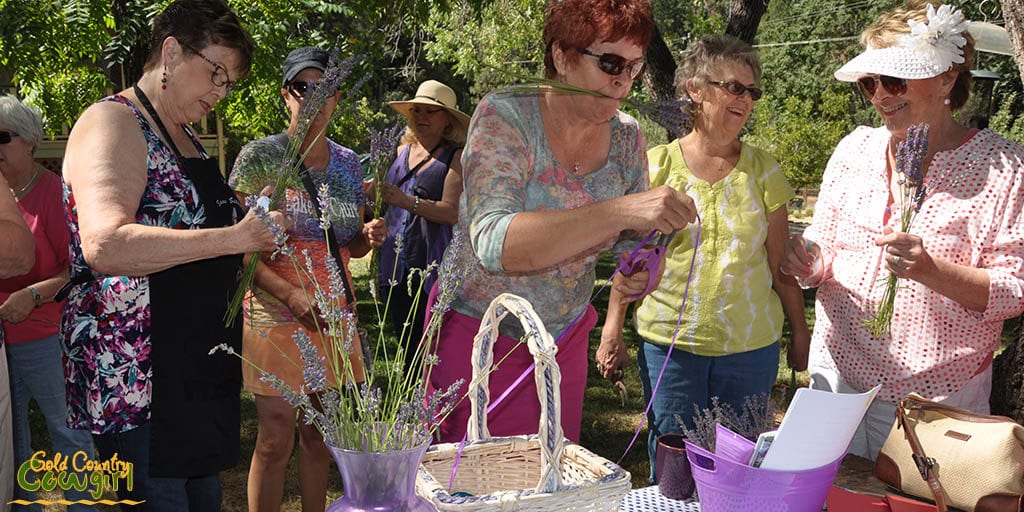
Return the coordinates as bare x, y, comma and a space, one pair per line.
843, 500
904, 504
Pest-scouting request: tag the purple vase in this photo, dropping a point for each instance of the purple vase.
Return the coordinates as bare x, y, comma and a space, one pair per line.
379, 481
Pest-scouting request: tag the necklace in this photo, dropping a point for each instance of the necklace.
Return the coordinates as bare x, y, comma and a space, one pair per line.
19, 193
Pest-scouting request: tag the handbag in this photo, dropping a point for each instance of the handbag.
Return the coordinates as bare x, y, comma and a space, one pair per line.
957, 457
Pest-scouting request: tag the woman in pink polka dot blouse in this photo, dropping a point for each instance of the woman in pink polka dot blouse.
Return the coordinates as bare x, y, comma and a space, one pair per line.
961, 264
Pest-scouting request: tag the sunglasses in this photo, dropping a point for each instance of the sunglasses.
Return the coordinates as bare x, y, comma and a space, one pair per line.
300, 89
219, 77
424, 110
737, 89
5, 137
869, 84
615, 64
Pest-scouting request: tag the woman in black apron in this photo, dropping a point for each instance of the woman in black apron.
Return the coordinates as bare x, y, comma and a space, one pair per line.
156, 237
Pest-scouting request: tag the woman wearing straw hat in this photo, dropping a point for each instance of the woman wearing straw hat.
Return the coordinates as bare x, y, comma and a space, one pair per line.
960, 264
423, 188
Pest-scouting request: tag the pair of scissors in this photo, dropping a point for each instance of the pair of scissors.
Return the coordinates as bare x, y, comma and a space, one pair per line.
650, 258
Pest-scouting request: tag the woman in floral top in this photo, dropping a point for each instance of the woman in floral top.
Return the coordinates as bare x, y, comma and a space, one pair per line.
960, 266
155, 242
552, 181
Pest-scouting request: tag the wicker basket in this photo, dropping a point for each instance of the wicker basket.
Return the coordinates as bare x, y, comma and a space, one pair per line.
543, 472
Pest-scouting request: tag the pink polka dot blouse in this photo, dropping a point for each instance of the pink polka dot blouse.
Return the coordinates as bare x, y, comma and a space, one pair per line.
971, 216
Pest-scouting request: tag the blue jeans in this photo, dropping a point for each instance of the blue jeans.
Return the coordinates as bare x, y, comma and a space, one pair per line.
37, 373
691, 380
195, 494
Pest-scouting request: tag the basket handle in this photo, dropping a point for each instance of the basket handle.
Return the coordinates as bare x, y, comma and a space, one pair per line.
546, 374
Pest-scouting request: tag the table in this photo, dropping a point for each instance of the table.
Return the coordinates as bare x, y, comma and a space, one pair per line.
855, 473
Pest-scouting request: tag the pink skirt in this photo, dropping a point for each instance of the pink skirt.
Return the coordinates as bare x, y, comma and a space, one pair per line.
519, 412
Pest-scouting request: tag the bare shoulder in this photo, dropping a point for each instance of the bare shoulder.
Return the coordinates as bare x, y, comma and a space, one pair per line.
106, 132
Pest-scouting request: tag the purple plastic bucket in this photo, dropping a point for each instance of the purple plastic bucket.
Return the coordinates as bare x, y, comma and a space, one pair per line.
726, 486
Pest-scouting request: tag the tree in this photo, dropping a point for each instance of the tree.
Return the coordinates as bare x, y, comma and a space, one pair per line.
744, 18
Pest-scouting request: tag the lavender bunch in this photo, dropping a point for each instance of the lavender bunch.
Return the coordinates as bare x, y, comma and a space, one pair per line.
289, 173
910, 156
383, 145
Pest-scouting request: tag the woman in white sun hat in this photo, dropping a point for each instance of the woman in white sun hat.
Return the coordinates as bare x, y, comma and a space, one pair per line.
961, 263
422, 188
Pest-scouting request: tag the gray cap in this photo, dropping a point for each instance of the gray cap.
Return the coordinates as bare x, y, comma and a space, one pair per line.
302, 58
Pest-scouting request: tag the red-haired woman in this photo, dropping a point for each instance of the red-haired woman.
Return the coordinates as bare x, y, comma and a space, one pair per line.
552, 180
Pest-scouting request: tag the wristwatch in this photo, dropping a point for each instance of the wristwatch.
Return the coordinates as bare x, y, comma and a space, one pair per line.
36, 297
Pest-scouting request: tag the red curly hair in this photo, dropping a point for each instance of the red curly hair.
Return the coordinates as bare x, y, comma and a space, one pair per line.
578, 23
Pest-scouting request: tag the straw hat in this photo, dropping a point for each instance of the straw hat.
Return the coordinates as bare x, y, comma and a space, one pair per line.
436, 94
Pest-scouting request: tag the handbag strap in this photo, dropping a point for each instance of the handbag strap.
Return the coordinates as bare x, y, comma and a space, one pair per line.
925, 464
332, 241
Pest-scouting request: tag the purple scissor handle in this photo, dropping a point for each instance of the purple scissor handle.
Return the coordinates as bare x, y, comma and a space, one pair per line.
650, 258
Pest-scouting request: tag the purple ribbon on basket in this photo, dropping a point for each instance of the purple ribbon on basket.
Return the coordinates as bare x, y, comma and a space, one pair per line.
640, 258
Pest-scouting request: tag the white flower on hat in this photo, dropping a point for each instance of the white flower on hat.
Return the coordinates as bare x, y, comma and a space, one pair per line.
940, 40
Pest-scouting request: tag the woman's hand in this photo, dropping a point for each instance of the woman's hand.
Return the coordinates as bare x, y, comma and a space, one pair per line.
905, 255
375, 231
632, 286
800, 257
612, 356
299, 303
255, 235
17, 307
799, 350
664, 209
394, 196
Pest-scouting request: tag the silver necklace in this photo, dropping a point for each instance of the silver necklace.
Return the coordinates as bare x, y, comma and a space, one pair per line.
24, 188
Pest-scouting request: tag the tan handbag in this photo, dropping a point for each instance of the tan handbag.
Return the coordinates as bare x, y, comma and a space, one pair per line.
957, 457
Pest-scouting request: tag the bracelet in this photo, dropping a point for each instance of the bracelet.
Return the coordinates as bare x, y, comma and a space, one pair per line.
415, 204
36, 296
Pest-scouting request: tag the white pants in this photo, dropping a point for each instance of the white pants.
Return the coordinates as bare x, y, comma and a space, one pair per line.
881, 415
6, 437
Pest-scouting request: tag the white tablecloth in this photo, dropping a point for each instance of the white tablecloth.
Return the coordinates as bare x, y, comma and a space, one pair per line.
648, 499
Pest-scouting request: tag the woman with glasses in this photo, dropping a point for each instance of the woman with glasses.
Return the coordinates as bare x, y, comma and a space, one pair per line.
29, 313
727, 342
156, 243
960, 266
552, 180
280, 302
422, 191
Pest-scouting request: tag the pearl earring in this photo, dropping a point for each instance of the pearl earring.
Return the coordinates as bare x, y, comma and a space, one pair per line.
945, 101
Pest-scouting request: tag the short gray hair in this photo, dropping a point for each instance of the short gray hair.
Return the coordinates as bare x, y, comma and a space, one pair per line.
709, 52
22, 119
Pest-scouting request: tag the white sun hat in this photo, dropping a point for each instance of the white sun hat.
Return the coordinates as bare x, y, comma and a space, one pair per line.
930, 49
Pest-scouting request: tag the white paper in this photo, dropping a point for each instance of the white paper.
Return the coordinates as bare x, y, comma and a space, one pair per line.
817, 428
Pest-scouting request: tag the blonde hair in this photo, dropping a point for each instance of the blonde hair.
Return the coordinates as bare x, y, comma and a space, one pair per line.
890, 26
452, 135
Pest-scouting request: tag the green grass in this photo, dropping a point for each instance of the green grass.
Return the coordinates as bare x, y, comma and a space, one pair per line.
608, 426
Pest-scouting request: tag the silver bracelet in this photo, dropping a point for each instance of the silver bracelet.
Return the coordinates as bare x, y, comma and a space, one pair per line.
415, 204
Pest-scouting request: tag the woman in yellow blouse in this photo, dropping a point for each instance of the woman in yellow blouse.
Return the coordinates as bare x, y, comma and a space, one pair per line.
727, 346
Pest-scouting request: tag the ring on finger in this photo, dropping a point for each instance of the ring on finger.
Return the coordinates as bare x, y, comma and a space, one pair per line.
897, 260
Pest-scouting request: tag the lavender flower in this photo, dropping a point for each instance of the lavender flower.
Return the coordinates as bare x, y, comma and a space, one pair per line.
313, 364
910, 155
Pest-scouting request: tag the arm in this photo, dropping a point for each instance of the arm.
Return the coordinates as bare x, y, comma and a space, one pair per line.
969, 286
294, 297
105, 166
17, 246
371, 236
443, 211
786, 287
611, 353
19, 305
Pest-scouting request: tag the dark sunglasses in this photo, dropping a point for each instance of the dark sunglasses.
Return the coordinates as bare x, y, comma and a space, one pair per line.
869, 84
615, 64
300, 89
737, 89
5, 137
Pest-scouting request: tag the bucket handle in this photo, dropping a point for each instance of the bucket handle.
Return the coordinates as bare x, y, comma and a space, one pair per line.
546, 374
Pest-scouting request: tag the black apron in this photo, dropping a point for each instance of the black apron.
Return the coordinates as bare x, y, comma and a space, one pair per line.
196, 411
195, 416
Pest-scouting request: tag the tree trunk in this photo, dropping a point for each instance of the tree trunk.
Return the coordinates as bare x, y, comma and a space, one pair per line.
1008, 371
745, 17
1013, 14
660, 74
